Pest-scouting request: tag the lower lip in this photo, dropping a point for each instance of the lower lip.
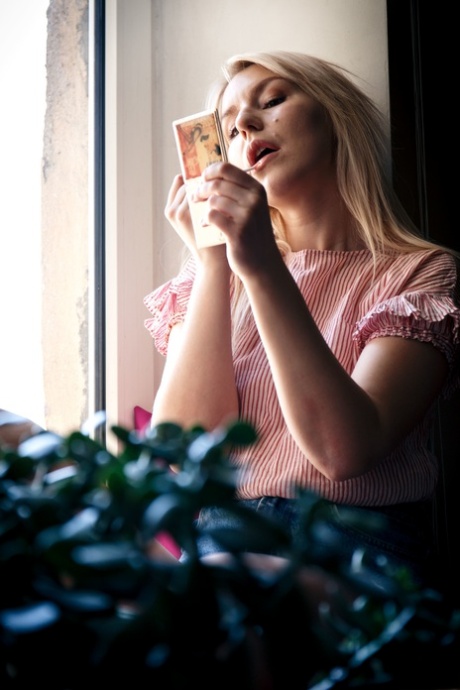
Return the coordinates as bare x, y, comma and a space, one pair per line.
261, 164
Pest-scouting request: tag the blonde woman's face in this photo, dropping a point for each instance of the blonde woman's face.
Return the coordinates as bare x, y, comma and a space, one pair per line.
271, 125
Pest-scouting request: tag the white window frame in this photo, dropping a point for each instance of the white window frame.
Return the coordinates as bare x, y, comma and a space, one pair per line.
129, 185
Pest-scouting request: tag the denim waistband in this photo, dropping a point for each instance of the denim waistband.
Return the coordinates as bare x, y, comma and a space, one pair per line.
404, 535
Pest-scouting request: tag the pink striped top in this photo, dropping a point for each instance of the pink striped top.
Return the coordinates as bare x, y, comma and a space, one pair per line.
410, 295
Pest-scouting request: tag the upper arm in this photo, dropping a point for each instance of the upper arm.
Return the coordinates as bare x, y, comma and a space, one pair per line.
173, 340
403, 377
172, 351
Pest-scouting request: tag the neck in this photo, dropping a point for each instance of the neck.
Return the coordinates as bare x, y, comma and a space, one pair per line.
327, 227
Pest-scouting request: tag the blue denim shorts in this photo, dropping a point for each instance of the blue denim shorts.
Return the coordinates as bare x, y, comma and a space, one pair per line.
401, 533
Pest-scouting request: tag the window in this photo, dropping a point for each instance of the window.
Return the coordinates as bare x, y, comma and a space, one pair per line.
23, 88
46, 239
86, 238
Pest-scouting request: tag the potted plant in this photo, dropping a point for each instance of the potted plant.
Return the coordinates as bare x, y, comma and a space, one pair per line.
87, 597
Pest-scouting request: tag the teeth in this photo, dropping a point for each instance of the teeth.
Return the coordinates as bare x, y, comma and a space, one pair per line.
262, 153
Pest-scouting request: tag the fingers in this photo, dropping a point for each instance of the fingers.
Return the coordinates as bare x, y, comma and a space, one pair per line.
231, 195
222, 182
176, 204
230, 173
177, 211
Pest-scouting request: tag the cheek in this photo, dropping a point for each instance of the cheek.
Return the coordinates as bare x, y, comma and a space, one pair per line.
235, 154
318, 136
321, 127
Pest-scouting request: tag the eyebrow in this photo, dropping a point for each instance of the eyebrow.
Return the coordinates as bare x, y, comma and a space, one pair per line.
255, 91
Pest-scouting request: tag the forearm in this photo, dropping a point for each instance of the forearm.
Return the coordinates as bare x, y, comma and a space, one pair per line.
332, 419
198, 385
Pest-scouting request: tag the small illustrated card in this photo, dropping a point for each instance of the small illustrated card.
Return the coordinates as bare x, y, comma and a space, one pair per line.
199, 143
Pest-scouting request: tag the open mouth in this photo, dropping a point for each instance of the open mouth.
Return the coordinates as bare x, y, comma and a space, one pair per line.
258, 150
262, 153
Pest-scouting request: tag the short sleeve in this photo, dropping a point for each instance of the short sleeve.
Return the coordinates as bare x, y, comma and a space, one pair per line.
432, 316
168, 306
423, 317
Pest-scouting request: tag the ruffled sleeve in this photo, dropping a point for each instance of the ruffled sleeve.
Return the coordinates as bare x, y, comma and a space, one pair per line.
428, 317
168, 306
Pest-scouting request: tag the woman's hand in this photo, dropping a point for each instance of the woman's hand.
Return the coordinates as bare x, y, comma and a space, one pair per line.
237, 205
177, 211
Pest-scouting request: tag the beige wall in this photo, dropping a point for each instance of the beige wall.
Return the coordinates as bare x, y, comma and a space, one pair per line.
65, 229
162, 55
192, 39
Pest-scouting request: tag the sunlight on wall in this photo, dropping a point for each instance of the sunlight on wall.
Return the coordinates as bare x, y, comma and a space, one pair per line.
23, 90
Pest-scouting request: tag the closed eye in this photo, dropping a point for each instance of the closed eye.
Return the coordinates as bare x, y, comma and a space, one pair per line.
273, 102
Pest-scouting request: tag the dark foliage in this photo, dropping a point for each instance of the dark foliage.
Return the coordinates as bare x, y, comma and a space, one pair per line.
85, 598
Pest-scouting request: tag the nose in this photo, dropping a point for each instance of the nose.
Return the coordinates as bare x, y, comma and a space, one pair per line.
248, 120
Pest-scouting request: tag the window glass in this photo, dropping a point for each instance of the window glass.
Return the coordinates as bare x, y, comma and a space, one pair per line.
23, 89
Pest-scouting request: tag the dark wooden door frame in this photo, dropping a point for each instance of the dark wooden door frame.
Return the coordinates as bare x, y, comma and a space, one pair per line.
423, 77
424, 122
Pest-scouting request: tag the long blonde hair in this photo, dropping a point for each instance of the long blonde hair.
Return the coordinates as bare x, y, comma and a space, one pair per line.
363, 157
362, 147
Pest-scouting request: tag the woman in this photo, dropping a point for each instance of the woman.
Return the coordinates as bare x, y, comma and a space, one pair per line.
325, 319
